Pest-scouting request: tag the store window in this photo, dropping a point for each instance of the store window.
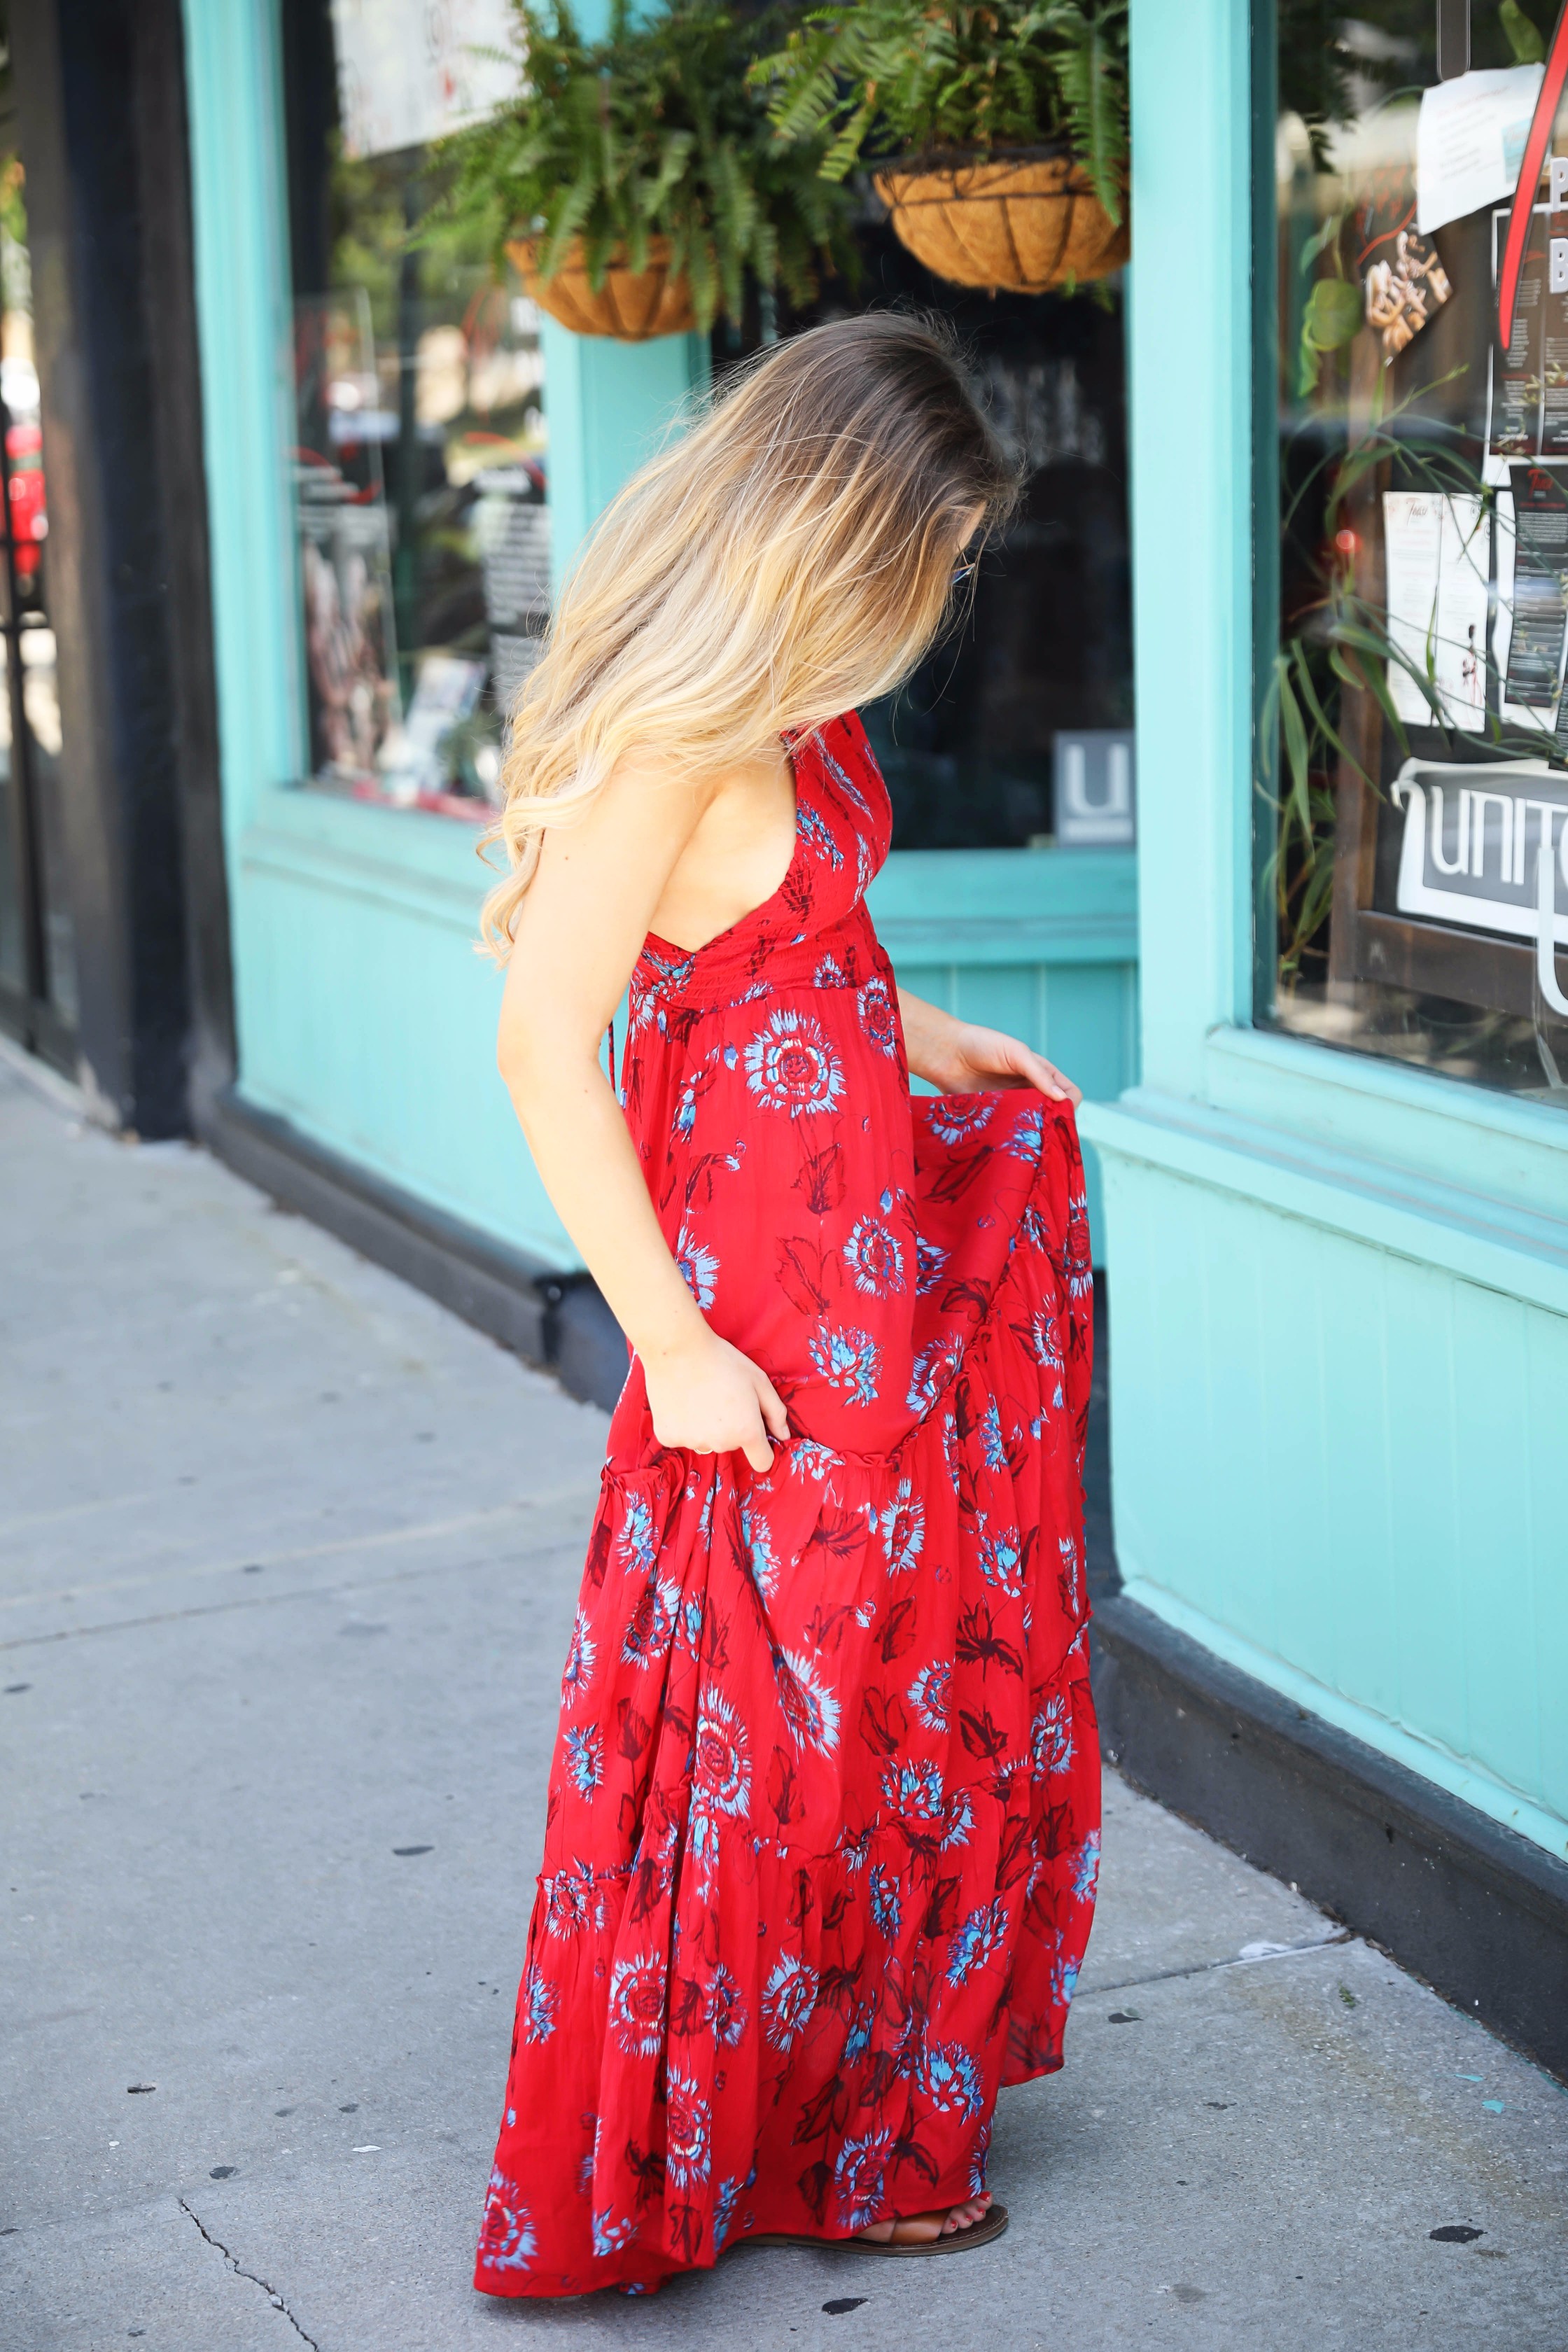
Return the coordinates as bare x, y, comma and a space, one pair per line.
420, 473
419, 461
37, 959
1412, 773
1016, 731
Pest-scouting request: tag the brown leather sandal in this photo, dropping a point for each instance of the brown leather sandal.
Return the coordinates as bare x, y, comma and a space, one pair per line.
989, 2226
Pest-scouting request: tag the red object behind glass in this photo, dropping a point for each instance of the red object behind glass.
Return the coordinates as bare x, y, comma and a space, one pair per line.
29, 521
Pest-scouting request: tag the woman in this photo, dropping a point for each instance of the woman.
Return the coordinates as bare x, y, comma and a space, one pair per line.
823, 1823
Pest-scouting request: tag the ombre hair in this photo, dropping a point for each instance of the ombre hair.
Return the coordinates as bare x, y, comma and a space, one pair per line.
789, 557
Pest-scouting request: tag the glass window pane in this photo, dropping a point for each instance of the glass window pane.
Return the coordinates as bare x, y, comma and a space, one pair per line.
419, 459
1034, 689
1412, 802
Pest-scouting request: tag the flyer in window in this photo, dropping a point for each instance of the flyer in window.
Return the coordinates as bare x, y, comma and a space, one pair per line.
1554, 371
1517, 375
1469, 141
345, 546
1535, 718
511, 529
1403, 283
1539, 604
1437, 556
409, 72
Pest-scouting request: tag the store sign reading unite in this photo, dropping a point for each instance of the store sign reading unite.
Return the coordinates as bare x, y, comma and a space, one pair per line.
1488, 847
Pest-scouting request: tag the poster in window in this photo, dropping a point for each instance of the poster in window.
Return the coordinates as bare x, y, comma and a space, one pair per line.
1469, 141
1438, 554
410, 71
345, 551
1514, 405
511, 529
1404, 283
1533, 669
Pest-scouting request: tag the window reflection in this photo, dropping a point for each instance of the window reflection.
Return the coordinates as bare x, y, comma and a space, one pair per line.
973, 748
420, 454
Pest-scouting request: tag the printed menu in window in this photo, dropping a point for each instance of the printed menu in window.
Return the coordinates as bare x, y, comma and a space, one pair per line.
1539, 569
1513, 421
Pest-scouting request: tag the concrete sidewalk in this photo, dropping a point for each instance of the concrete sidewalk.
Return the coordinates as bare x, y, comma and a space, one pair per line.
287, 1564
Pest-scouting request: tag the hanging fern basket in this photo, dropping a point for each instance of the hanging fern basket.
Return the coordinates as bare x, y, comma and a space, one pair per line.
1017, 221
633, 306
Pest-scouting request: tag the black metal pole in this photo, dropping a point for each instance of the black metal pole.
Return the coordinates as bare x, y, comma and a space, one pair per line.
1453, 38
407, 481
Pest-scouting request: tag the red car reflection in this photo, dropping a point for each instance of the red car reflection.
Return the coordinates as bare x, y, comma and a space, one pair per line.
29, 522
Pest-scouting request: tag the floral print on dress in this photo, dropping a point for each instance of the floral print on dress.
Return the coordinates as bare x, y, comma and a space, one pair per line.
790, 1065
822, 1839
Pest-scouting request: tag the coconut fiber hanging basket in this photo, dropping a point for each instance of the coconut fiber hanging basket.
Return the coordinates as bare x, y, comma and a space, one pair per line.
1017, 221
631, 305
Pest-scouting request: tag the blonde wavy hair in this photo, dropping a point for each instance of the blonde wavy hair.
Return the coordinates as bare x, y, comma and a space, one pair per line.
789, 557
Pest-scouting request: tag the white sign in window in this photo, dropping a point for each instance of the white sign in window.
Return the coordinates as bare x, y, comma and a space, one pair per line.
1487, 848
412, 70
1096, 808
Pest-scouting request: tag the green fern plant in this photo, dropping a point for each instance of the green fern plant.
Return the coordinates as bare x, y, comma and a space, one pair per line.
883, 77
655, 131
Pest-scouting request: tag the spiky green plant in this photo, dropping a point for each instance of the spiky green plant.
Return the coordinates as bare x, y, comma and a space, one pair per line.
655, 131
882, 77
1338, 641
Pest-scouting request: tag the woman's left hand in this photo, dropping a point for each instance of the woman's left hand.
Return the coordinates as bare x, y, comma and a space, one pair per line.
962, 1059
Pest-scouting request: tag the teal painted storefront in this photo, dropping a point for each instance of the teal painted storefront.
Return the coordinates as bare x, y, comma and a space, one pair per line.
1341, 1286
364, 1018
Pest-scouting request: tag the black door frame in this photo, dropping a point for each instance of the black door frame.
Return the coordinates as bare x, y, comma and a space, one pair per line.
98, 94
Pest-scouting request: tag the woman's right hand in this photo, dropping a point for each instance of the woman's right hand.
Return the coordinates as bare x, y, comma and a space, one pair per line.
705, 1397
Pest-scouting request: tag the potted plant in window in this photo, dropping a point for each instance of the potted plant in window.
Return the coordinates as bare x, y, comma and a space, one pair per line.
995, 133
635, 181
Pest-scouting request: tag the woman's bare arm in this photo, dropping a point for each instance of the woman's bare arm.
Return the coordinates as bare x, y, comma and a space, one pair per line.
583, 922
961, 1058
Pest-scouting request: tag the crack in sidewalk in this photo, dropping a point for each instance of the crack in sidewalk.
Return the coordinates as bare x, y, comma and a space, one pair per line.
271, 2292
509, 1558
580, 1495
1210, 1968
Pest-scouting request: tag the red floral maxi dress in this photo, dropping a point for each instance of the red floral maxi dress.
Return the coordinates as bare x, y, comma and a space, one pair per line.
822, 1826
